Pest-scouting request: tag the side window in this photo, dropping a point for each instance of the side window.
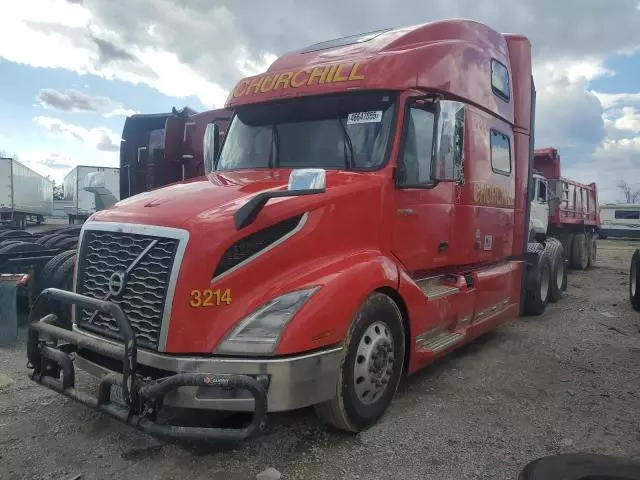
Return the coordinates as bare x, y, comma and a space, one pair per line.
450, 141
500, 80
500, 153
542, 191
627, 215
415, 166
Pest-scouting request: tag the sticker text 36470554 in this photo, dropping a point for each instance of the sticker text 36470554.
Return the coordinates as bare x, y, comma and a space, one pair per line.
209, 297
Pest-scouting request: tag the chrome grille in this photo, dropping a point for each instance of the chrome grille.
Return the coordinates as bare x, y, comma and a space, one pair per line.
145, 262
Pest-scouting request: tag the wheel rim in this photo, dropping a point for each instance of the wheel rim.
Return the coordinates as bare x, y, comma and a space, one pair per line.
544, 284
560, 273
374, 363
633, 279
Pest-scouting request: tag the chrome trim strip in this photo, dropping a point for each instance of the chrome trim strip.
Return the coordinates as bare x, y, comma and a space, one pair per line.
282, 239
295, 382
152, 230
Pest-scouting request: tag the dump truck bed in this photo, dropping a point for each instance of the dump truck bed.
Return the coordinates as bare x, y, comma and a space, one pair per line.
576, 203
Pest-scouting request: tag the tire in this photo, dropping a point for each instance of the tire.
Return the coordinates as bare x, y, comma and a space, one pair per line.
62, 241
20, 247
579, 252
67, 243
558, 275
51, 242
63, 278
378, 319
6, 235
634, 280
5, 243
538, 287
45, 276
581, 466
42, 240
593, 251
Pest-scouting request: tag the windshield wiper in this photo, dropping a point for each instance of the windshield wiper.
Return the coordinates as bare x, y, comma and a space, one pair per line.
348, 161
275, 142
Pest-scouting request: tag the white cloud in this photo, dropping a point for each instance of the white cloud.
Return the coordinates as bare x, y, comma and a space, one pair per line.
100, 138
75, 101
629, 121
609, 100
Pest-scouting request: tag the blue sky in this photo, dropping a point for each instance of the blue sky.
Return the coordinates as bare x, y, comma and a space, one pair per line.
20, 135
71, 70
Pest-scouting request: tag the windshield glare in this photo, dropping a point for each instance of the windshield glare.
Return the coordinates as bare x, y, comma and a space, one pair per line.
347, 131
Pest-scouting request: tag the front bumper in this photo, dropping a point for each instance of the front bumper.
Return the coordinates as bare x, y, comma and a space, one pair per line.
212, 383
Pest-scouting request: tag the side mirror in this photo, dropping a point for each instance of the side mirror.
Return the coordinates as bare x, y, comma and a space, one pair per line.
211, 145
449, 142
307, 179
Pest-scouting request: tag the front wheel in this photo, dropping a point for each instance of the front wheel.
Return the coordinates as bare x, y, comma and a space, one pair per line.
371, 368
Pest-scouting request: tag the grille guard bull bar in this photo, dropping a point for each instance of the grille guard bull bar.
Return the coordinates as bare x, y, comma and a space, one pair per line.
142, 395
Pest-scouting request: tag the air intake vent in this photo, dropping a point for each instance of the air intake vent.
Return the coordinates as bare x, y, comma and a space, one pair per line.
255, 243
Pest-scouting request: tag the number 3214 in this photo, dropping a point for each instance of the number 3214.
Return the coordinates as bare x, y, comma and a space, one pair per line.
209, 298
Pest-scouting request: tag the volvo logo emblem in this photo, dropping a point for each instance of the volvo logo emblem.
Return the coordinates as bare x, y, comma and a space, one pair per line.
116, 283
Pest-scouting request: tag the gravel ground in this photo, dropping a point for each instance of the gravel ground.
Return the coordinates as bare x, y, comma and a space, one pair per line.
564, 382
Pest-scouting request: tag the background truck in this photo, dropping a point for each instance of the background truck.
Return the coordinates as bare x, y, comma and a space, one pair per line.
83, 202
565, 209
368, 213
25, 196
159, 149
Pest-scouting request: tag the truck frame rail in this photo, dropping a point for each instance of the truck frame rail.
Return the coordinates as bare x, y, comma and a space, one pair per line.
48, 358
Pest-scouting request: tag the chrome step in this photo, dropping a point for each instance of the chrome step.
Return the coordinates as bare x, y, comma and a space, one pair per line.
440, 291
434, 287
438, 341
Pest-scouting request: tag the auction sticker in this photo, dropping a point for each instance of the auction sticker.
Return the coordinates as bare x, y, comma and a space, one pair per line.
364, 117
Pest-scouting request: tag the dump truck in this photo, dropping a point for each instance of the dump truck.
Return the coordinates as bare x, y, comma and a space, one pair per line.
367, 212
83, 202
159, 149
565, 209
25, 196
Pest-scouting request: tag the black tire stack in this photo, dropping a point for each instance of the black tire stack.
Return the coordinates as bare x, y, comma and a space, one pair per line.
56, 273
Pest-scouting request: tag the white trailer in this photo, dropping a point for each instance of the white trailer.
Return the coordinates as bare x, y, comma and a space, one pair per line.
620, 220
25, 196
83, 203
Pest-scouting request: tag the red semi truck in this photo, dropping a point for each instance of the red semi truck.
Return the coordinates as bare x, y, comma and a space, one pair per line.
565, 209
367, 212
160, 149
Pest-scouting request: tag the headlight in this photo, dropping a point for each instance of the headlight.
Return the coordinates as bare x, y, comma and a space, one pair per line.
259, 332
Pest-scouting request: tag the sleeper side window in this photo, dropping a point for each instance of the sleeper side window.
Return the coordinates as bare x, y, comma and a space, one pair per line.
500, 153
500, 80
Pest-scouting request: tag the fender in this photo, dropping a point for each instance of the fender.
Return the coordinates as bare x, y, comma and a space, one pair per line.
323, 321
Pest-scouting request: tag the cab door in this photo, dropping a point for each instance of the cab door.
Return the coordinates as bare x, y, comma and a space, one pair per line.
425, 185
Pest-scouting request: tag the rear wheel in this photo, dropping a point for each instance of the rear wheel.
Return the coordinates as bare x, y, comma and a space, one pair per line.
580, 252
634, 277
371, 368
558, 275
593, 251
538, 287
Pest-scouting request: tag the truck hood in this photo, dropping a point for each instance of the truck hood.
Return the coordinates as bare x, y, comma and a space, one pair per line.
174, 205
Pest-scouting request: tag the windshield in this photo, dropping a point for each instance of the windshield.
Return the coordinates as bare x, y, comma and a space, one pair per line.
347, 131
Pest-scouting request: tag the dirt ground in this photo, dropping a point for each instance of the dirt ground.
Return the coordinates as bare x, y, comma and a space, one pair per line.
567, 381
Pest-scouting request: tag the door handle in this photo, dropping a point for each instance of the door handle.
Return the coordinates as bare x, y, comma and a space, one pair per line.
443, 247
